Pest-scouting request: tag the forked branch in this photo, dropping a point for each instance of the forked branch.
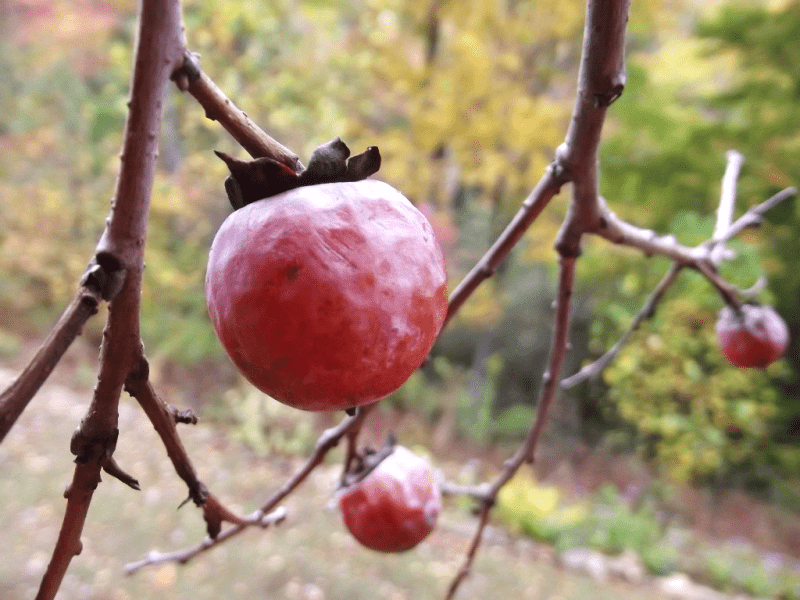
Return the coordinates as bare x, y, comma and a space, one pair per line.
600, 82
487, 494
269, 512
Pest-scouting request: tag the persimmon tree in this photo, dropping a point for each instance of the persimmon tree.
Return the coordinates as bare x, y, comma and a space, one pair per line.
114, 276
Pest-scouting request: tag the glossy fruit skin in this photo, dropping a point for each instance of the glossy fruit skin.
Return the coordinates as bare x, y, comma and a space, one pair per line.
327, 296
757, 340
395, 506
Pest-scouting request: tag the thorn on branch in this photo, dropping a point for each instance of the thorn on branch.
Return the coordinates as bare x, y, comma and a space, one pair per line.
112, 468
215, 514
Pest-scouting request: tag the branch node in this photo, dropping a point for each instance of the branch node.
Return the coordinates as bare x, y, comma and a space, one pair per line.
92, 448
606, 99
139, 374
186, 416
188, 72
105, 275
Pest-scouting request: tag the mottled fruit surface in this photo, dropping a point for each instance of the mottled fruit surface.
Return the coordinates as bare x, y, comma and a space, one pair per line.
327, 296
757, 338
395, 506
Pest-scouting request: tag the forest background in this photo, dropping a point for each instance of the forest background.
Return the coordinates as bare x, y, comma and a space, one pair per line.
467, 101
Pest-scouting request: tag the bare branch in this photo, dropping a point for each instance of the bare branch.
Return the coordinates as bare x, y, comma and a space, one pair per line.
478, 492
191, 78
727, 201
531, 208
557, 353
701, 258
16, 396
183, 556
600, 82
754, 216
646, 312
326, 442
159, 50
648, 241
466, 566
488, 495
139, 386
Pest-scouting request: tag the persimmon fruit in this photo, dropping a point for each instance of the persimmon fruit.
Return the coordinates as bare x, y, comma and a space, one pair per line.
756, 337
327, 296
395, 506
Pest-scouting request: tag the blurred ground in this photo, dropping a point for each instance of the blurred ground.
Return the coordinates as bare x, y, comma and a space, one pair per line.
310, 557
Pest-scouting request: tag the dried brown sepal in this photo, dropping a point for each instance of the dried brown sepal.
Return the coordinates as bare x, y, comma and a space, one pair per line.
252, 180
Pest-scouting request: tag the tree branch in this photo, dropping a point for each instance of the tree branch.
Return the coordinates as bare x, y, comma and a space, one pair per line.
164, 422
191, 78
16, 396
646, 312
754, 216
159, 50
139, 386
600, 81
261, 517
531, 208
703, 258
727, 204
488, 494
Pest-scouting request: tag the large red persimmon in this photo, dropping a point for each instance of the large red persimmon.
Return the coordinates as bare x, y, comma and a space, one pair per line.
327, 296
755, 338
395, 506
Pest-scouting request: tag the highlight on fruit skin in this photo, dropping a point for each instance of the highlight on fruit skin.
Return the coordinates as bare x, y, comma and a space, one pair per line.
327, 296
755, 338
395, 506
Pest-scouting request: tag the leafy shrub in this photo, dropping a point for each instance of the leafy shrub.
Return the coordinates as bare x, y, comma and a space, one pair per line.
699, 417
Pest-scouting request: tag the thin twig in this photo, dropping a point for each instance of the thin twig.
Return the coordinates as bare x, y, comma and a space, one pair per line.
727, 290
727, 200
549, 185
557, 353
191, 78
646, 312
755, 215
139, 386
488, 494
326, 442
478, 492
183, 556
727, 203
700, 257
648, 241
600, 82
16, 396
466, 567
164, 422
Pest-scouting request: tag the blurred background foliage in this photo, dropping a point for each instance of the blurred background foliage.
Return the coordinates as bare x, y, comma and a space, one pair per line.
467, 102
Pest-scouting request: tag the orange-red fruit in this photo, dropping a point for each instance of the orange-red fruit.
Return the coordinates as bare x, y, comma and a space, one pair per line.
327, 296
395, 506
757, 338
